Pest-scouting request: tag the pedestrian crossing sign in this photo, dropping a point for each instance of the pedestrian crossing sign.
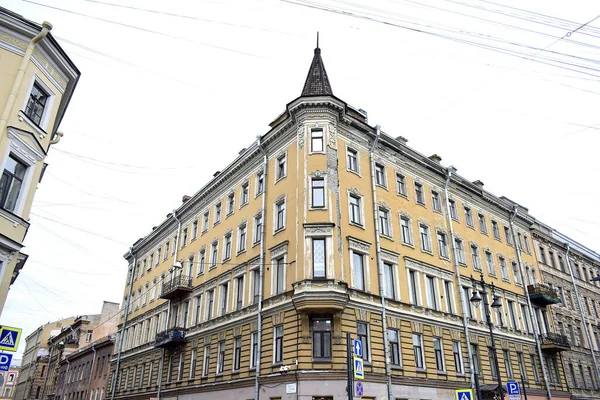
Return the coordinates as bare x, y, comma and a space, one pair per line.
9, 338
463, 394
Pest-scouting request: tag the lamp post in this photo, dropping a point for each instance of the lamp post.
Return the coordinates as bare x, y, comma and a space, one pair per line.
496, 303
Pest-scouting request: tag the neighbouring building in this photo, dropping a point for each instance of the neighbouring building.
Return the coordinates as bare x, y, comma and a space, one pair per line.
80, 354
324, 227
34, 364
568, 268
38, 80
8, 382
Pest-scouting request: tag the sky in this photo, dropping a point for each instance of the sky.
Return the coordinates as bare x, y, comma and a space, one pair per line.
170, 92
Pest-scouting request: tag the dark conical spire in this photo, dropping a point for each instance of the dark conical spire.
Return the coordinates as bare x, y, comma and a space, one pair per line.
317, 82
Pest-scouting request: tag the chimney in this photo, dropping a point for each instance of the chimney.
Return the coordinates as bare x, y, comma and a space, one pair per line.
185, 198
435, 158
478, 183
402, 140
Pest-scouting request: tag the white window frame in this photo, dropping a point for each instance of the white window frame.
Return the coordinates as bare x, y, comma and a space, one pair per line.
357, 154
312, 132
274, 276
242, 243
311, 200
401, 189
276, 205
361, 223
365, 268
425, 245
414, 293
387, 227
285, 167
229, 236
410, 241
48, 107
383, 183
244, 199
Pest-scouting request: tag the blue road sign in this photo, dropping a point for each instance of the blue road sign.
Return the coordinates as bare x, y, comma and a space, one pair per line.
463, 394
513, 388
9, 338
359, 371
5, 360
358, 350
360, 389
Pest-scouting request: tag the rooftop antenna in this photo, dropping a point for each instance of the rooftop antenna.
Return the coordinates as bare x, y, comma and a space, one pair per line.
317, 39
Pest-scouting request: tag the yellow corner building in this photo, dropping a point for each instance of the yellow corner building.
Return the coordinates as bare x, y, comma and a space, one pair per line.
327, 226
36, 85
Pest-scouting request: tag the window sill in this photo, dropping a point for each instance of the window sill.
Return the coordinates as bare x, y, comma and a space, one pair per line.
322, 153
255, 244
455, 219
506, 280
280, 178
241, 252
408, 245
387, 237
442, 373
445, 258
402, 195
438, 211
485, 233
244, 205
321, 361
361, 226
38, 129
397, 368
471, 226
229, 214
421, 204
225, 259
194, 239
216, 223
427, 252
421, 370
357, 173
460, 375
204, 231
278, 230
317, 208
381, 186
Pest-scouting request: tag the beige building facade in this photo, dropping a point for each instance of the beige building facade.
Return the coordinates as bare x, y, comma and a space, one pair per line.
8, 382
38, 80
327, 226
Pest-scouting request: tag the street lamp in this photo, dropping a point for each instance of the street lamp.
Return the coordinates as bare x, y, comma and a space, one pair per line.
496, 303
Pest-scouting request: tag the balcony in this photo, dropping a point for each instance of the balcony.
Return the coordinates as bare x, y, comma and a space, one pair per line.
177, 287
555, 342
320, 295
170, 338
542, 295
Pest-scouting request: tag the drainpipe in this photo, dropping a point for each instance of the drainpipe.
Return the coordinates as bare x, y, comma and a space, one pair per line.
537, 331
463, 302
122, 335
48, 371
62, 390
585, 323
92, 369
261, 270
388, 371
57, 137
162, 351
14, 91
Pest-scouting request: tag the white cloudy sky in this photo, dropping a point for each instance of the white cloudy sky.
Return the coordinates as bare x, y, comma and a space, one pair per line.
168, 97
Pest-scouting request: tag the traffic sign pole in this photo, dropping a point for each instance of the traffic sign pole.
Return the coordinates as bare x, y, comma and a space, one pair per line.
349, 366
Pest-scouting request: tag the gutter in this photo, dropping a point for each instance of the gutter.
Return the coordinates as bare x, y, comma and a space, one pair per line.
91, 370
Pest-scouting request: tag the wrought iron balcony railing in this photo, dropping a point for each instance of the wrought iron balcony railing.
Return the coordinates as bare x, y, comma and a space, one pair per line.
170, 337
543, 295
555, 342
176, 287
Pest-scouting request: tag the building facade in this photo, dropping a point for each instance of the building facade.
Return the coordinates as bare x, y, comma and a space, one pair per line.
38, 80
34, 365
75, 356
8, 382
324, 227
568, 267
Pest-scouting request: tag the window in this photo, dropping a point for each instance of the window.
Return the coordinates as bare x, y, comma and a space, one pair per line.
158, 251
318, 193
230, 203
394, 346
526, 241
280, 168
543, 255
204, 224
192, 364
507, 364
197, 316
413, 286
424, 234
435, 201
221, 358
227, 249
255, 285
279, 276
362, 334
401, 184
516, 273
495, 230
359, 270
384, 222
388, 280
260, 183
520, 240
460, 251
254, 346
11, 182
438, 348
206, 363
493, 364
417, 341
201, 261
468, 217
489, 261
482, 225
239, 292
88, 336
442, 244
321, 338
512, 314
214, 250
224, 298
405, 227
503, 269
257, 228
169, 371
522, 370
210, 304
217, 213
431, 292
316, 140
242, 233
475, 257
352, 160
179, 367
380, 175
457, 353
507, 236
419, 193
280, 215
453, 212
237, 353
469, 305
278, 344
355, 210
534, 366
244, 195
36, 103
449, 296
319, 258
